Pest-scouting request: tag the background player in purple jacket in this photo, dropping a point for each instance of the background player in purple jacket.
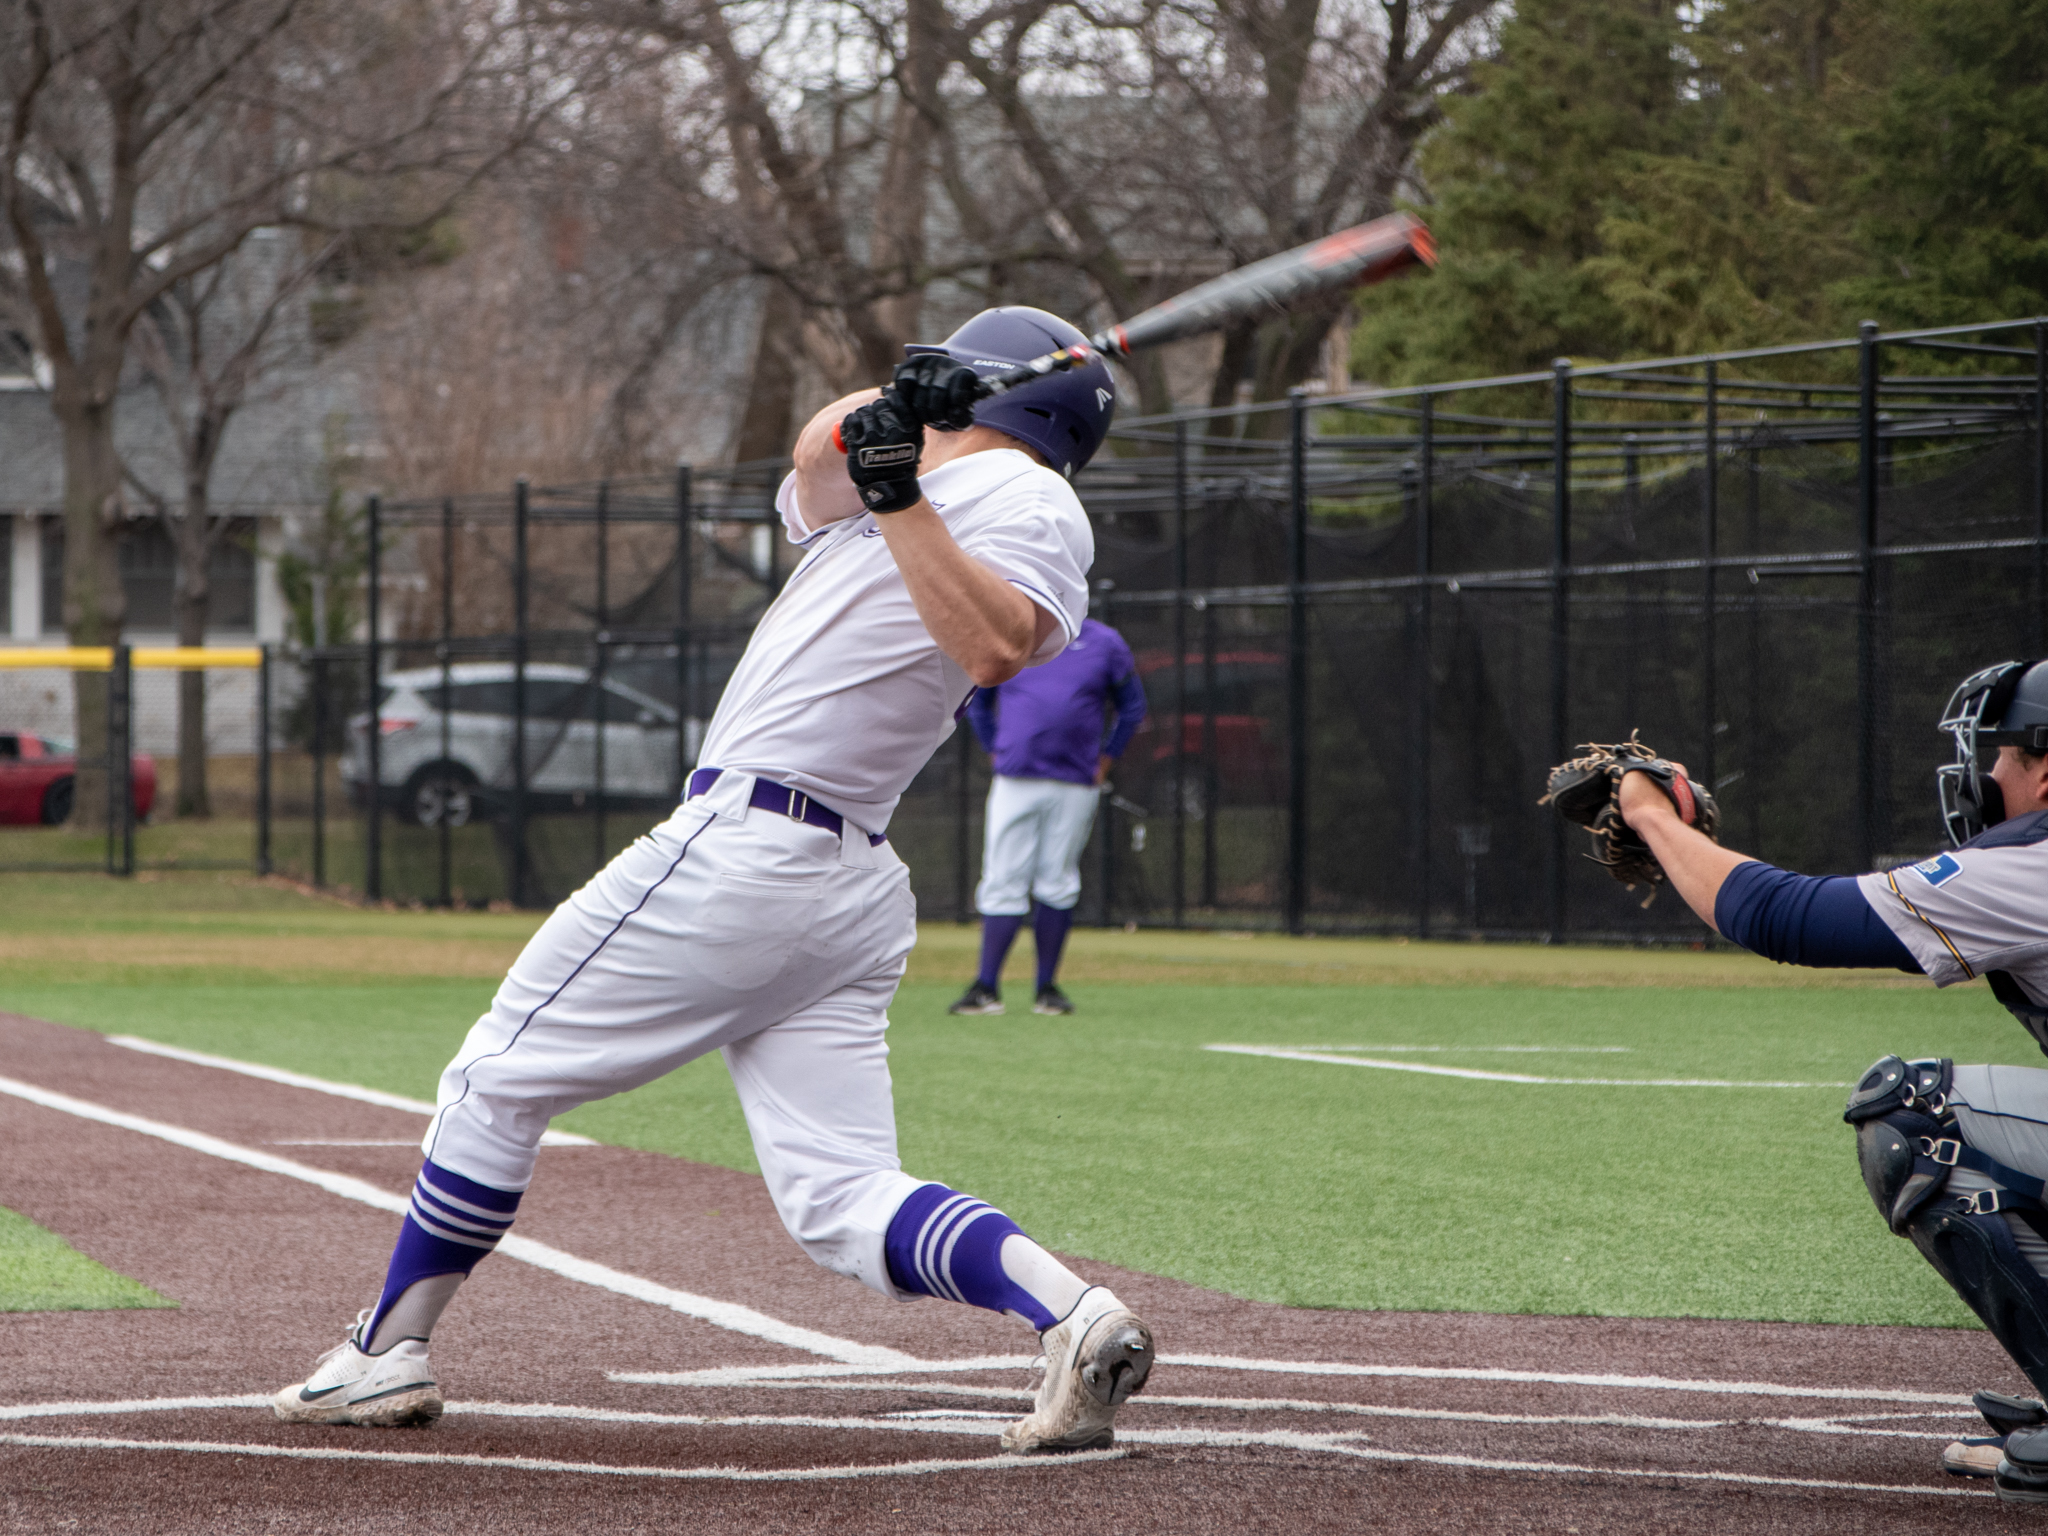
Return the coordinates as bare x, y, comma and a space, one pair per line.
1044, 728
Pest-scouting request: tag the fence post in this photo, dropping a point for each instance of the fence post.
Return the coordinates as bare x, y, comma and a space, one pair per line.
319, 772
263, 862
1212, 777
1710, 508
2041, 483
446, 834
1866, 595
600, 702
686, 672
1297, 661
1560, 626
521, 588
373, 826
121, 763
1419, 662
1180, 673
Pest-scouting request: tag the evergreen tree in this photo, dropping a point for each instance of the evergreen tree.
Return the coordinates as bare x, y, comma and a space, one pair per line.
1954, 178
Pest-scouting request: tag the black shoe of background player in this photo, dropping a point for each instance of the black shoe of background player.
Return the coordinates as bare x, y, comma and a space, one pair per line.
1052, 1001
980, 1000
2022, 1475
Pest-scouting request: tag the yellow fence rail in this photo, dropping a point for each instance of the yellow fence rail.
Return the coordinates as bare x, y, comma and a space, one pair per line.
100, 658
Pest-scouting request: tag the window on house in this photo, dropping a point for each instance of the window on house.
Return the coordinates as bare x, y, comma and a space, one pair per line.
149, 575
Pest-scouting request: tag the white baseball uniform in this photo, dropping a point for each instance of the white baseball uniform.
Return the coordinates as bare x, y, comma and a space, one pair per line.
733, 928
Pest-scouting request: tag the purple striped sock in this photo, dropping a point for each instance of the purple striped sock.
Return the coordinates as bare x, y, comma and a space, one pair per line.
946, 1244
1049, 927
453, 1222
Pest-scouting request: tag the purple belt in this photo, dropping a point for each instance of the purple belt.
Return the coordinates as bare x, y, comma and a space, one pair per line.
784, 801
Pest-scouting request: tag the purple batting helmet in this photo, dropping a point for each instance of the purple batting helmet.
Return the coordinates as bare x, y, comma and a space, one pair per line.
1064, 416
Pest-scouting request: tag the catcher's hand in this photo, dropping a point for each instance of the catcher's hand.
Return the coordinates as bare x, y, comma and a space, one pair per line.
1587, 791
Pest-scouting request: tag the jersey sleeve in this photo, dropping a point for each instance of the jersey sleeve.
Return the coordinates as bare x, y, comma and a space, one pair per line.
792, 516
1805, 920
1969, 911
1041, 544
1129, 690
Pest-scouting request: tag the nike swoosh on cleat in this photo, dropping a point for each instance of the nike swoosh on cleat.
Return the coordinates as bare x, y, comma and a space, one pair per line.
314, 1397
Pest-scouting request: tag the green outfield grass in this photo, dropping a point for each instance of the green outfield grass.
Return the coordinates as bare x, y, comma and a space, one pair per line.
1113, 1134
40, 1272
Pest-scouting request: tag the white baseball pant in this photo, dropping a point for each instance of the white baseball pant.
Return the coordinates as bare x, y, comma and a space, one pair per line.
725, 928
1036, 831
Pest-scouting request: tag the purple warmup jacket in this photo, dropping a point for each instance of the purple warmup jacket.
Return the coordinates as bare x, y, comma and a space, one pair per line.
1046, 722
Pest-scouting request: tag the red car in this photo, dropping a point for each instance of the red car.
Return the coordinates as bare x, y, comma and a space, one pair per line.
1248, 748
38, 777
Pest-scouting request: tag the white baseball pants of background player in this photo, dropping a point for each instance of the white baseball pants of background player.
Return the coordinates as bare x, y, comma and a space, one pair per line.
775, 942
1036, 831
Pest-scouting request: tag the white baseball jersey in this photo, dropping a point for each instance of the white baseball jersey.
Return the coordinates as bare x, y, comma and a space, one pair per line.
1975, 909
842, 692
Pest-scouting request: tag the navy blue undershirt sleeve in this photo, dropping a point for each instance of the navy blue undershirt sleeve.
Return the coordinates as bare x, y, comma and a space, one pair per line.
1806, 920
981, 715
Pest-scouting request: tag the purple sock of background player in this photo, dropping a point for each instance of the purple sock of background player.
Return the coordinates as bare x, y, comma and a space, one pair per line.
1049, 927
946, 1244
998, 933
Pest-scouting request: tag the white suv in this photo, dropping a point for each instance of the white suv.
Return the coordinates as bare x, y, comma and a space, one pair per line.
565, 711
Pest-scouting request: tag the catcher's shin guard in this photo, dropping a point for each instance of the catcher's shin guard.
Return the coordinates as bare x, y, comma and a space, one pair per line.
1976, 1255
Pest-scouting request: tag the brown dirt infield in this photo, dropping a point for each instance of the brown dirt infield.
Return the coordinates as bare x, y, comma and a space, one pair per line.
1259, 1418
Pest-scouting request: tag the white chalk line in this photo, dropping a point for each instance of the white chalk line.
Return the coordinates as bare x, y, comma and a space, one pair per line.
720, 1314
1491, 1050
750, 1375
354, 1091
1287, 1053
1340, 1443
997, 1463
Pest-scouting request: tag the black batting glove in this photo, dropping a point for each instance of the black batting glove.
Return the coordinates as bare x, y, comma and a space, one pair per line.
938, 391
883, 443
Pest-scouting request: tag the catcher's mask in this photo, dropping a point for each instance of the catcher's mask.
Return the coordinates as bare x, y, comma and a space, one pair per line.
2001, 706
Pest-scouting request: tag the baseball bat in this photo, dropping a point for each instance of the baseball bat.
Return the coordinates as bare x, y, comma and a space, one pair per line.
1351, 258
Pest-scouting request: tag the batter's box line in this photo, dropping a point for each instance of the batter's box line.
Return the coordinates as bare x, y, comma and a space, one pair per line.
1291, 1053
1339, 1444
821, 1371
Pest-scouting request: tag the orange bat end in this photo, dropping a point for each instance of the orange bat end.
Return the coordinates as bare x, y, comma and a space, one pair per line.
838, 441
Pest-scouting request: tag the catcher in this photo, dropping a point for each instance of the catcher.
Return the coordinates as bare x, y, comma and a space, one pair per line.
1954, 1157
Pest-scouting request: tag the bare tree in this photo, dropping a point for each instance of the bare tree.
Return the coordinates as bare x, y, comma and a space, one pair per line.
146, 140
1230, 128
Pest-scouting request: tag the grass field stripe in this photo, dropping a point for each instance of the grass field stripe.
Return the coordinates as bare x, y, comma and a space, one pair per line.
1492, 1050
354, 1091
995, 1463
720, 1314
1284, 1053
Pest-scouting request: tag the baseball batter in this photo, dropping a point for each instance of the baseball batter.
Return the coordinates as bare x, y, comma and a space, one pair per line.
769, 919
1044, 728
1954, 1157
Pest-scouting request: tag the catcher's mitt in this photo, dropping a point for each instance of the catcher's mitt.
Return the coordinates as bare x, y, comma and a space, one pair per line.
1587, 792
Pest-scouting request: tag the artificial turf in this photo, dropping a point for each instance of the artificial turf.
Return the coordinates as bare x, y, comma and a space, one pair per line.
40, 1272
1115, 1135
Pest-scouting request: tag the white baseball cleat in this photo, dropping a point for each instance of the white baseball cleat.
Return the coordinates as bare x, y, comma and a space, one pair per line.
350, 1387
1094, 1359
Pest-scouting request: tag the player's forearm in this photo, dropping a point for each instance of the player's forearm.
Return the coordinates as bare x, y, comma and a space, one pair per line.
1695, 864
980, 620
824, 494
